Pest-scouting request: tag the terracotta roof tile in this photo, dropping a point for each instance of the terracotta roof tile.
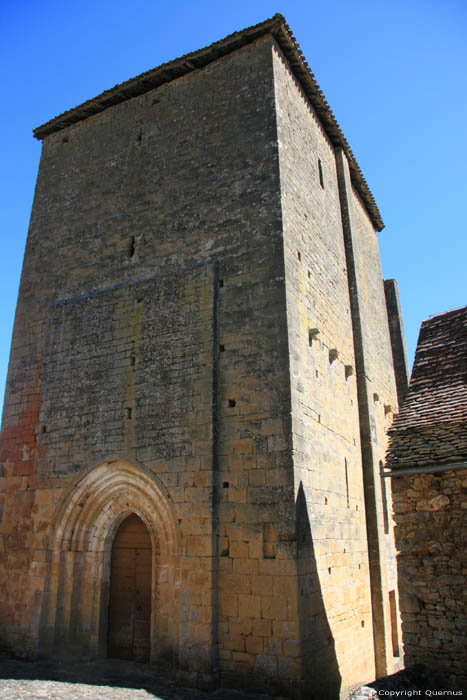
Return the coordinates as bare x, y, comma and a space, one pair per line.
438, 386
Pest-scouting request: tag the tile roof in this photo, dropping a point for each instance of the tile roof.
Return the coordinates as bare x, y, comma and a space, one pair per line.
438, 386
279, 29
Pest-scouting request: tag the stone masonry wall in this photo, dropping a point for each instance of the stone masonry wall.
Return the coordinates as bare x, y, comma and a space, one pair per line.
429, 511
377, 398
382, 406
335, 608
120, 359
138, 201
184, 325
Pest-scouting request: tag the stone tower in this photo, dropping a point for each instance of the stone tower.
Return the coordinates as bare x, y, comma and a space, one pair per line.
200, 384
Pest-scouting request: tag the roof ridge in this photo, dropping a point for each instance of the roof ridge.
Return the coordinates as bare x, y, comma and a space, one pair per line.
175, 68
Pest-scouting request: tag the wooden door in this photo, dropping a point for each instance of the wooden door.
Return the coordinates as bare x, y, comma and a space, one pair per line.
130, 592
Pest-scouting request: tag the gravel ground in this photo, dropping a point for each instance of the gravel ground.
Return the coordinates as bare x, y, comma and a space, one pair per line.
111, 679
105, 679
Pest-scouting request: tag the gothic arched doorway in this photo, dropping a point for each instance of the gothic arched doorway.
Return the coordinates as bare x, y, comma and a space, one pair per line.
75, 609
129, 632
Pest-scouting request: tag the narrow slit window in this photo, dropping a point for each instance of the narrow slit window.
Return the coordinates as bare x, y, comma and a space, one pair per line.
269, 541
394, 635
320, 171
347, 482
384, 498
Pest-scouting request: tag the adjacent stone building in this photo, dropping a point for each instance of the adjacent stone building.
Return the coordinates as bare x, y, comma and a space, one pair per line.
200, 384
428, 459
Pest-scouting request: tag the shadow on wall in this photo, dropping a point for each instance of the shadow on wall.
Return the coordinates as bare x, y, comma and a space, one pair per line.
320, 670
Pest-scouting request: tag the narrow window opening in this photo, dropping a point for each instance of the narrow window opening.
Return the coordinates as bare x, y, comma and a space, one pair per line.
363, 623
317, 373
375, 397
347, 482
65, 139
140, 136
309, 274
131, 247
325, 501
232, 403
299, 256
133, 360
329, 570
269, 541
394, 635
348, 371
225, 484
128, 413
44, 428
384, 498
320, 170
221, 283
221, 348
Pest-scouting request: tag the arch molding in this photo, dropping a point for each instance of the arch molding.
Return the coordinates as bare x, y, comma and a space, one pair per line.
75, 607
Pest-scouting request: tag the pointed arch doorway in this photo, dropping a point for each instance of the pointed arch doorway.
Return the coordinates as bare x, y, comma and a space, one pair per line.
129, 626
75, 607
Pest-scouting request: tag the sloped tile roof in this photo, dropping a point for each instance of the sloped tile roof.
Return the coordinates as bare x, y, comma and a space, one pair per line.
279, 29
438, 387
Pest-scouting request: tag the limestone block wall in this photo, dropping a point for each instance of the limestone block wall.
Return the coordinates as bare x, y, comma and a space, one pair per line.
382, 406
184, 350
150, 335
429, 511
331, 536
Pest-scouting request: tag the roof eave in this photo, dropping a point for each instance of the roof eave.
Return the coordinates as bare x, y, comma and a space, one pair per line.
279, 29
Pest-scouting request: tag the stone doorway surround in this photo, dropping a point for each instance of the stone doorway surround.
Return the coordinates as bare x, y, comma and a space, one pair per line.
74, 618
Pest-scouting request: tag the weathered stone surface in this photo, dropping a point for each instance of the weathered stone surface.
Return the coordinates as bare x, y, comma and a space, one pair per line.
433, 567
430, 434
185, 332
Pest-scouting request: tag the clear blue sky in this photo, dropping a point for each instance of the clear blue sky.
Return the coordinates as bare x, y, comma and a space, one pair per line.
393, 72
